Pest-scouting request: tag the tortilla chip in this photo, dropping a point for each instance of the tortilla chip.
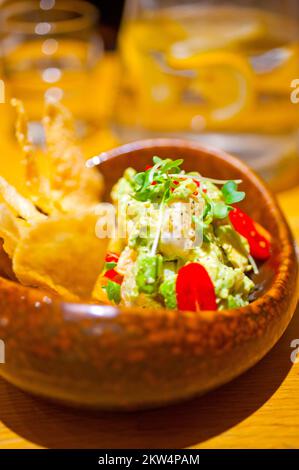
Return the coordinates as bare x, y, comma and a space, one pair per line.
5, 264
18, 204
49, 235
32, 173
36, 184
62, 255
9, 230
71, 182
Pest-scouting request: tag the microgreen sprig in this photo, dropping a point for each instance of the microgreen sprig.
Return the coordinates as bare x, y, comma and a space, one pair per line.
231, 194
203, 178
158, 174
155, 185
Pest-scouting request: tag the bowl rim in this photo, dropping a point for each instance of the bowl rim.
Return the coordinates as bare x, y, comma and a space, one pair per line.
273, 292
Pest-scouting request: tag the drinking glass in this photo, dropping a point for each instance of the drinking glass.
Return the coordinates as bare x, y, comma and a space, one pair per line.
217, 71
51, 50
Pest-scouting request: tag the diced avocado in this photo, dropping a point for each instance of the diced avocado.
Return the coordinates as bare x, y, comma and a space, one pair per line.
129, 174
234, 245
167, 290
148, 272
124, 186
235, 301
184, 190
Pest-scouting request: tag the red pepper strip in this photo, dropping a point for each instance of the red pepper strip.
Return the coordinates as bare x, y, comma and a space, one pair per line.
175, 183
259, 244
204, 190
194, 289
111, 257
114, 276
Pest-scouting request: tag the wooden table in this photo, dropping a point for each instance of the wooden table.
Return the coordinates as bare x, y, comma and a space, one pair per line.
260, 409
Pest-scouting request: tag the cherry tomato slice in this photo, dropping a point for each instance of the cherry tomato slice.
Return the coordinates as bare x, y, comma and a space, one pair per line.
194, 289
114, 276
111, 257
257, 237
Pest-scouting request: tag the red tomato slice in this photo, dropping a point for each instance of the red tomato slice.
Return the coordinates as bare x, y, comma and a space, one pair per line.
262, 231
194, 289
257, 237
114, 276
111, 257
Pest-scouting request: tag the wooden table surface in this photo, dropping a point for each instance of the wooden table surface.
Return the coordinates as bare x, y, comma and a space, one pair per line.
260, 409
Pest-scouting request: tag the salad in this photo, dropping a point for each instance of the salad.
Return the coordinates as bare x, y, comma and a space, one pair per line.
182, 242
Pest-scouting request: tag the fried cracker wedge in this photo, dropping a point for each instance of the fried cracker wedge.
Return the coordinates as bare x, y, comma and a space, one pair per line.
71, 182
49, 233
31, 167
61, 254
36, 184
9, 230
5, 264
19, 205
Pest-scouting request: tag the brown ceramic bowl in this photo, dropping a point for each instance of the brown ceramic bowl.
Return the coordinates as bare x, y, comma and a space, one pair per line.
106, 357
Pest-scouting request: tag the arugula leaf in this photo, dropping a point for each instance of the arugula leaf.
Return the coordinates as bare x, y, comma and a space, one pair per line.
231, 194
113, 291
221, 210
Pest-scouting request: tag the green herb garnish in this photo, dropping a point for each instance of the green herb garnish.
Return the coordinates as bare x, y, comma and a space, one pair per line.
110, 265
113, 291
221, 210
231, 193
158, 174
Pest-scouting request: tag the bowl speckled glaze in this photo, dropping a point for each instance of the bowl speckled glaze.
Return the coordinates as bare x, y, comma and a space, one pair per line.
116, 358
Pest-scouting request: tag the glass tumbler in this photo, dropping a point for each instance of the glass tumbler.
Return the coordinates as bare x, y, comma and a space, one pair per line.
50, 50
218, 71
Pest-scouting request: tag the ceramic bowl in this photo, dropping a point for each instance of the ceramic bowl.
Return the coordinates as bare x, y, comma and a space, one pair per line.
128, 358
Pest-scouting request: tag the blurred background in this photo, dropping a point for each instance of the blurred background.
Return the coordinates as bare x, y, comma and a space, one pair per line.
216, 71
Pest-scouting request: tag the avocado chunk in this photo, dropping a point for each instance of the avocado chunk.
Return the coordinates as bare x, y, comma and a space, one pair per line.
148, 272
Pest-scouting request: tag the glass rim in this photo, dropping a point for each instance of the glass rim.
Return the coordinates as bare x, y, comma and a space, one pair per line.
88, 16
